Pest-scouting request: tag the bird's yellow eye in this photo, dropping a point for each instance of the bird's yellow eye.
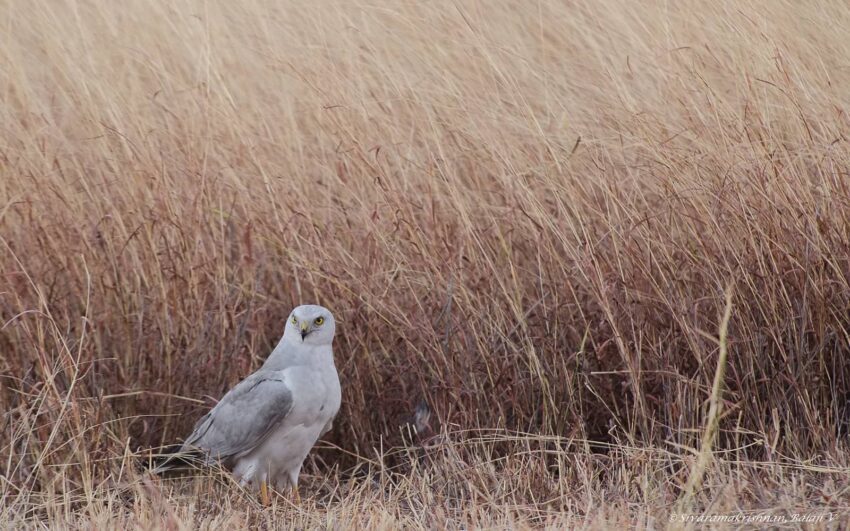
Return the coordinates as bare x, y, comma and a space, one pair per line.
319, 321
294, 320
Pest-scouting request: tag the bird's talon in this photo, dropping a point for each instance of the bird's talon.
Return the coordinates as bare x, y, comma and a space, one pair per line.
264, 494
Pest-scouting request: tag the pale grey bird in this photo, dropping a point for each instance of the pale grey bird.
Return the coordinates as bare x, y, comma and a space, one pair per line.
265, 426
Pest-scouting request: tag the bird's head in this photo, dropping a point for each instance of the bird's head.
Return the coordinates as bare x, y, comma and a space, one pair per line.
310, 324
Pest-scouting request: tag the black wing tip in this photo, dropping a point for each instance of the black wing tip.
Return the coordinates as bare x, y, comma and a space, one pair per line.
172, 458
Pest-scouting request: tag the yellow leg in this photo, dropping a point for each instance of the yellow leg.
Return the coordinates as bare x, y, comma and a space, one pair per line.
296, 497
264, 494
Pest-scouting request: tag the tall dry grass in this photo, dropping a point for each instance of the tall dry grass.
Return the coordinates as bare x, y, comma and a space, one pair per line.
526, 214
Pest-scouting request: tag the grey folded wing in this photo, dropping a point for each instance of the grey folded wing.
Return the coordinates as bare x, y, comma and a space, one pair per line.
243, 418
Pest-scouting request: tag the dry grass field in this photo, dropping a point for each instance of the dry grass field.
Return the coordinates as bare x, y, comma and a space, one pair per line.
533, 216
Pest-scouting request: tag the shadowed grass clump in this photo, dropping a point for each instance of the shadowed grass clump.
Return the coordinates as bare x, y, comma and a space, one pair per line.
527, 217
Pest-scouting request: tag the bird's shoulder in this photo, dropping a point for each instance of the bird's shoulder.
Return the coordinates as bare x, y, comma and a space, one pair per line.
254, 380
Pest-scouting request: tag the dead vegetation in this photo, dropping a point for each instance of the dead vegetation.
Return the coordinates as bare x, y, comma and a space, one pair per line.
526, 215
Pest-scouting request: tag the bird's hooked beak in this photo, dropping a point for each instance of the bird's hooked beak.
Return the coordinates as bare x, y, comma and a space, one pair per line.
305, 330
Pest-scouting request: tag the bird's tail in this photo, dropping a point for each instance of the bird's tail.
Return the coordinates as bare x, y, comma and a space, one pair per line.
174, 458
